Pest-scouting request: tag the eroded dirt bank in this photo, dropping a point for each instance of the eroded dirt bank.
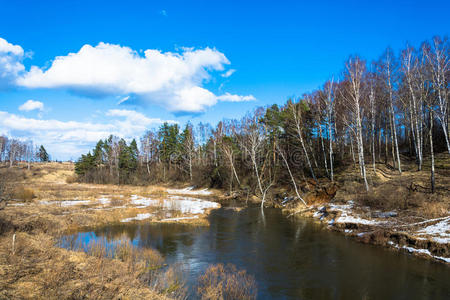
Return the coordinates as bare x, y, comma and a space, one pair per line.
399, 212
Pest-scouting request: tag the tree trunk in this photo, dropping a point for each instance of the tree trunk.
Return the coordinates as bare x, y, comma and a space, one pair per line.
323, 150
290, 174
432, 152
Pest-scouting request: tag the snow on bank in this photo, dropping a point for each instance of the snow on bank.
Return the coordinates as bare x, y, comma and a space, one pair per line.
104, 200
190, 205
439, 232
185, 205
189, 191
348, 216
180, 218
182, 204
66, 203
139, 217
421, 251
142, 202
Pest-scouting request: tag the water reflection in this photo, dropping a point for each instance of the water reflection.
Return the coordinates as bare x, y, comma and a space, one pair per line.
290, 259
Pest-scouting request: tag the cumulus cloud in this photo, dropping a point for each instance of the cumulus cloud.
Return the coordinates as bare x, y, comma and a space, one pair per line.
172, 80
67, 139
32, 105
11, 57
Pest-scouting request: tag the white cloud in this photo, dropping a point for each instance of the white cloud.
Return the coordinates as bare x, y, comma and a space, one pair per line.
163, 12
235, 98
228, 73
32, 105
70, 139
172, 80
11, 57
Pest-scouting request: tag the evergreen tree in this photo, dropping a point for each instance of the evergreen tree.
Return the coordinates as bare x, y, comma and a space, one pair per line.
43, 155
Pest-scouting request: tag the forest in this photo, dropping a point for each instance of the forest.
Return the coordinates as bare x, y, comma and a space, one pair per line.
373, 112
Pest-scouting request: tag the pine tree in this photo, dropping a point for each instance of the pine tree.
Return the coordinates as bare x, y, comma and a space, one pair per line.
43, 155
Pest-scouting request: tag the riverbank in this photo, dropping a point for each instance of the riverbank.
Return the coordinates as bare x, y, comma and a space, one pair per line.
398, 212
45, 204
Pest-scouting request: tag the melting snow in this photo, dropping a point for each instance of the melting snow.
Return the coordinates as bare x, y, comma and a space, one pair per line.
189, 191
181, 218
422, 251
137, 218
440, 231
182, 204
143, 202
346, 218
104, 200
66, 203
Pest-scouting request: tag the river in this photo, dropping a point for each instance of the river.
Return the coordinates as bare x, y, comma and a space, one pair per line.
290, 258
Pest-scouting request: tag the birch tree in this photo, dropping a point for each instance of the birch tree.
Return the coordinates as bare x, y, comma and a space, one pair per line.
387, 66
252, 141
296, 112
355, 69
439, 65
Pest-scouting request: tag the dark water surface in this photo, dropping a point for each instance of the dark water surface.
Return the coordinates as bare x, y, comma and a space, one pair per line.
290, 259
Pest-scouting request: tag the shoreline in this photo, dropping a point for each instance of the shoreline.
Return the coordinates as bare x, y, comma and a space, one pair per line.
384, 231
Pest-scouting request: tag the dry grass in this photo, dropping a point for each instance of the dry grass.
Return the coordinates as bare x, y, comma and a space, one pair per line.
221, 282
38, 268
409, 192
24, 194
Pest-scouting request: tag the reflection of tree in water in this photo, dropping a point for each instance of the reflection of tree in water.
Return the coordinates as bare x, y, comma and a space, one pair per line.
289, 257
163, 236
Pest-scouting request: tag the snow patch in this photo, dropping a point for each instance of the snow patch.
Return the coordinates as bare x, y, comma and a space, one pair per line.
179, 203
180, 218
440, 232
189, 191
138, 217
104, 200
346, 216
421, 251
65, 203
142, 201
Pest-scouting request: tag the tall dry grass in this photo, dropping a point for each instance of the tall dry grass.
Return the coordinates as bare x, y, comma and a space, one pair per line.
221, 282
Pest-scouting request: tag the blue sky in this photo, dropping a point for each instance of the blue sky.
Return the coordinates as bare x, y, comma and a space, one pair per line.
207, 60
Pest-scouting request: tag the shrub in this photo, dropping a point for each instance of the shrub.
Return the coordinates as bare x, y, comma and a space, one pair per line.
24, 194
226, 282
71, 179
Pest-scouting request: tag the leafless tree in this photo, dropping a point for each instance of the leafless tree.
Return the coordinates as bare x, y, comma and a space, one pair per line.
355, 69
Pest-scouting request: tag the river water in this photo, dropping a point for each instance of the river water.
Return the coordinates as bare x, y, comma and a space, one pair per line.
290, 258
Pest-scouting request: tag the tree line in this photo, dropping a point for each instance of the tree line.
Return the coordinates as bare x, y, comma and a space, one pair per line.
14, 150
373, 112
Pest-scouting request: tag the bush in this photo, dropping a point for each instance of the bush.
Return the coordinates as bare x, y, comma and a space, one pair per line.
226, 282
24, 194
71, 179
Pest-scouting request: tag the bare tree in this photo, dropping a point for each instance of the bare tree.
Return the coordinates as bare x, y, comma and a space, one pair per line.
387, 66
329, 104
410, 69
296, 112
355, 69
283, 156
253, 138
439, 65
